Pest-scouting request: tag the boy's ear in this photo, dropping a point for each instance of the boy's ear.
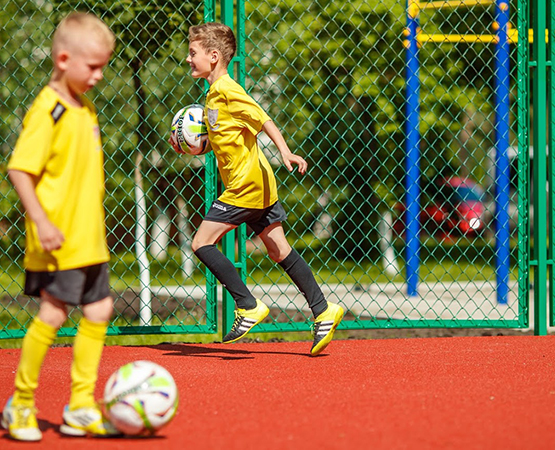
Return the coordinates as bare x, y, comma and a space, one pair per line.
61, 60
214, 56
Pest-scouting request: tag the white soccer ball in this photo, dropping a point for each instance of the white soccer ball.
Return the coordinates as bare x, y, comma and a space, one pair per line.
140, 398
189, 131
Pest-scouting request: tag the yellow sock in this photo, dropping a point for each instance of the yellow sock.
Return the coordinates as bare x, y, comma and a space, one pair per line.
87, 351
36, 343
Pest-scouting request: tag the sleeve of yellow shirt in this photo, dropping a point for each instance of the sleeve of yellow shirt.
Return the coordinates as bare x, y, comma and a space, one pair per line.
244, 110
34, 143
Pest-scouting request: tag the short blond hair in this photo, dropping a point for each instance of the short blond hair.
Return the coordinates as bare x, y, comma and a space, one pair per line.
77, 24
215, 36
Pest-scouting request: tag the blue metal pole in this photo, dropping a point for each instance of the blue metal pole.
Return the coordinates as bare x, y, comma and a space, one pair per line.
412, 158
502, 172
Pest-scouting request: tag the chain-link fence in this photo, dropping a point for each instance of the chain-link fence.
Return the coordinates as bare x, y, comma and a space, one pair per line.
415, 208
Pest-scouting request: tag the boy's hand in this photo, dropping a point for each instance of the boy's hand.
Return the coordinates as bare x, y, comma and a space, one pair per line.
287, 156
291, 158
174, 145
195, 151
50, 237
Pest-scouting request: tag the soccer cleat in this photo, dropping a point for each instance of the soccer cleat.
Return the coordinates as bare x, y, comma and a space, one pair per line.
245, 319
21, 422
87, 421
324, 327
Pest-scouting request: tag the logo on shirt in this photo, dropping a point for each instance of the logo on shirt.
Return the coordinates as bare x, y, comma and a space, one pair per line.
57, 112
213, 118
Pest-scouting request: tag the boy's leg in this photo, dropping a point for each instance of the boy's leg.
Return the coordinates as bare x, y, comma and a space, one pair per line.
250, 311
83, 416
204, 247
87, 352
295, 266
226, 273
19, 414
36, 343
299, 272
327, 315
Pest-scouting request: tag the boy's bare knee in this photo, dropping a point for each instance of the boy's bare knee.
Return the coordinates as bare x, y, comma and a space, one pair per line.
100, 311
278, 255
53, 318
52, 311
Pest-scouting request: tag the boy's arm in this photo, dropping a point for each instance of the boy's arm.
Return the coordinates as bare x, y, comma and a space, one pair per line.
51, 238
289, 158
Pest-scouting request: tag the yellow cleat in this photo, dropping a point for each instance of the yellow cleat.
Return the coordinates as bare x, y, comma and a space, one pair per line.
21, 422
245, 320
324, 327
87, 421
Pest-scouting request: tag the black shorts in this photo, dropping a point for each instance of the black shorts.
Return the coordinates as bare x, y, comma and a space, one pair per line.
75, 287
257, 219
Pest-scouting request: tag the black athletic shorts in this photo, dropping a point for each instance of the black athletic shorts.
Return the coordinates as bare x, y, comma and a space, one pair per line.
75, 287
257, 219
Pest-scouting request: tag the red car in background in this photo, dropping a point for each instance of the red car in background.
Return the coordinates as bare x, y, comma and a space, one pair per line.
456, 207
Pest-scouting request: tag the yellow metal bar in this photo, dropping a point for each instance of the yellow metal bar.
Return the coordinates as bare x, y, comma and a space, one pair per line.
457, 38
453, 4
512, 36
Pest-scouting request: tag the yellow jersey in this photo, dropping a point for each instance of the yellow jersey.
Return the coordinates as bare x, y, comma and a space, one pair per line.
60, 145
234, 119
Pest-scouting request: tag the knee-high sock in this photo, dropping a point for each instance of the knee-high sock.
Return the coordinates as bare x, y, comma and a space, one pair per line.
298, 270
36, 343
226, 273
87, 351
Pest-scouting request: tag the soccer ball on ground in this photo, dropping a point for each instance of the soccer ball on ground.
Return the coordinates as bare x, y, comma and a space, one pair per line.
189, 131
140, 398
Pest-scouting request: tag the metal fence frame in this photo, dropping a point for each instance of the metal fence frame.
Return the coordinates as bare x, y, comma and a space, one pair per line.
535, 69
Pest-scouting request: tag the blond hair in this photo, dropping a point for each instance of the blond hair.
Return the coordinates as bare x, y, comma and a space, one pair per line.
215, 36
75, 25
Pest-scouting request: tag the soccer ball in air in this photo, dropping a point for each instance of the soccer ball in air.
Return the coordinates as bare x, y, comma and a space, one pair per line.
140, 398
189, 131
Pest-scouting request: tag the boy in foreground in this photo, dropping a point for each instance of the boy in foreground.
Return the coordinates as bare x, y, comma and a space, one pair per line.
233, 120
57, 171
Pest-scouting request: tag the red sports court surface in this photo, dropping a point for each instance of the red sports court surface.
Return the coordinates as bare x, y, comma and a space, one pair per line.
435, 393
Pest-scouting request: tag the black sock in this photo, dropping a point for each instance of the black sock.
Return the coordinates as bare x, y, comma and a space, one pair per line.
302, 276
226, 273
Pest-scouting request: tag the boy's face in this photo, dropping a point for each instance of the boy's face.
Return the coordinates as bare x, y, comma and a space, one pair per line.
82, 65
200, 60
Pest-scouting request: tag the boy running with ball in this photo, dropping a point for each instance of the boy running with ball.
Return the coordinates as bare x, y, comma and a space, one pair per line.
234, 119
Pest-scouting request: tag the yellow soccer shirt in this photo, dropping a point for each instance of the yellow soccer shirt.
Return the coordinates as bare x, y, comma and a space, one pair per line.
234, 119
60, 145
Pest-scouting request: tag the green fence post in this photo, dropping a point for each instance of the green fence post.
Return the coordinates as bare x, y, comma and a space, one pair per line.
230, 239
211, 186
523, 129
551, 160
539, 86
